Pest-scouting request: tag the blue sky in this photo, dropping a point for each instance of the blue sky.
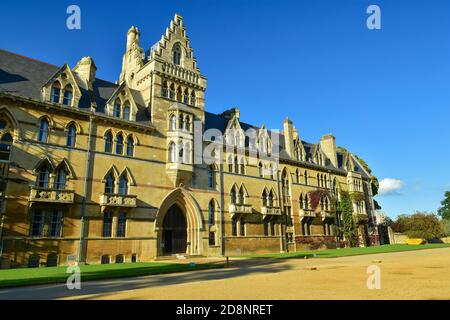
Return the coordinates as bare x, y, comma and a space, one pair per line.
384, 94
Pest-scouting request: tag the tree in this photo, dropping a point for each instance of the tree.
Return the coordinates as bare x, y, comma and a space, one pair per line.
424, 225
444, 211
349, 228
446, 227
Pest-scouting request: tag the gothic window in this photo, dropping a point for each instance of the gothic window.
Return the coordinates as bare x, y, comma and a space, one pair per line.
71, 135
188, 124
264, 198
193, 103
271, 203
306, 202
121, 225
172, 91
5, 146
242, 227
233, 226
211, 177
241, 199
109, 183
43, 130
230, 164
186, 96
34, 261
261, 170
130, 146
52, 260
68, 95
301, 201
116, 109
37, 223
61, 177
123, 185
119, 144
242, 167
108, 142
306, 177
55, 224
233, 196
107, 225
126, 111
56, 92
236, 165
297, 176
266, 228
105, 259
172, 152
43, 177
173, 122
164, 89
119, 258
179, 94
176, 54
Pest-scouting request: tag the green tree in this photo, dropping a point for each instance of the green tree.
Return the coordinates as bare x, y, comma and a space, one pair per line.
349, 228
424, 225
444, 211
446, 227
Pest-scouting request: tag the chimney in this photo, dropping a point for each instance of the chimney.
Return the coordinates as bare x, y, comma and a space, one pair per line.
328, 145
86, 70
288, 136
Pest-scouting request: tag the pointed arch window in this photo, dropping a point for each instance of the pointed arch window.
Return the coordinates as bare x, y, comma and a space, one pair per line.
233, 196
172, 91
43, 130
56, 92
61, 178
179, 94
173, 122
211, 177
116, 109
172, 152
123, 185
264, 198
188, 123
108, 142
164, 89
300, 200
193, 102
186, 96
176, 54
127, 112
180, 121
130, 146
306, 177
109, 183
261, 170
271, 197
241, 199
119, 144
121, 226
68, 95
5, 146
43, 177
71, 135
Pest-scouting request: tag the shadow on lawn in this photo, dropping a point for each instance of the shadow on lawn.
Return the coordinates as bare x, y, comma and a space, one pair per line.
97, 289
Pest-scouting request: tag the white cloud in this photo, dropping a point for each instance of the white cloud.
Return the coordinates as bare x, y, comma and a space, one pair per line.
389, 186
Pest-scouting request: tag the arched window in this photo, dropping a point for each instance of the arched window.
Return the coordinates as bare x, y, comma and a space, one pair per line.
164, 89
52, 260
61, 178
297, 176
56, 92
236, 165
173, 122
5, 146
211, 177
108, 142
127, 111
119, 144
123, 185
300, 200
211, 213
186, 96
306, 202
119, 258
264, 198
180, 121
34, 261
306, 177
179, 94
188, 123
105, 259
193, 102
176, 54
242, 227
271, 203
71, 135
130, 146
261, 170
230, 164
109, 183
233, 226
318, 180
116, 109
43, 177
68, 95
233, 196
241, 199
172, 91
43, 130
180, 152
172, 152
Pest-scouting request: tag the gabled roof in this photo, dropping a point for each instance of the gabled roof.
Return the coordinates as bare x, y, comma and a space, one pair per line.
25, 77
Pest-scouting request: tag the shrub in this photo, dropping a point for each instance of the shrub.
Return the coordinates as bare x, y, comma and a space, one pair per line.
423, 225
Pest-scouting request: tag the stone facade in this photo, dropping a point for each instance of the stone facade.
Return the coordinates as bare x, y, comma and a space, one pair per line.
106, 172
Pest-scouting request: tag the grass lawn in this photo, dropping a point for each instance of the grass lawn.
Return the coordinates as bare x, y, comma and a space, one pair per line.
34, 276
334, 253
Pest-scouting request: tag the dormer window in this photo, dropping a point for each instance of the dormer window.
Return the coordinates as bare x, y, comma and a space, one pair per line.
116, 109
126, 111
68, 95
176, 54
56, 92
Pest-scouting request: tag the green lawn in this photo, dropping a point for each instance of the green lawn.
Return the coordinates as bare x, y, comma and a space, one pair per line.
334, 253
34, 276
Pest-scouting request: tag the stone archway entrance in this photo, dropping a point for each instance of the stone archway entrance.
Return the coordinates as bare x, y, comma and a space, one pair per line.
174, 231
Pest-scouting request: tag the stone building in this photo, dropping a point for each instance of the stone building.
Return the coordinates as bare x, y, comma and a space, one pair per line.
104, 172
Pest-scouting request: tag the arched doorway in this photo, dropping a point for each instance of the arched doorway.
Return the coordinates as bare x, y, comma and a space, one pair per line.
174, 231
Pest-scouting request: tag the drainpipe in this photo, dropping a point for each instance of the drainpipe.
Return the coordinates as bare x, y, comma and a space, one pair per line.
83, 243
283, 213
222, 210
